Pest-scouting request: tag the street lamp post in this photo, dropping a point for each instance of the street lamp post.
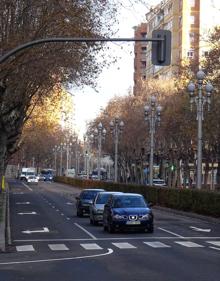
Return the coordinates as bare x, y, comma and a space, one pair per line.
152, 114
67, 146
200, 101
99, 133
55, 150
116, 127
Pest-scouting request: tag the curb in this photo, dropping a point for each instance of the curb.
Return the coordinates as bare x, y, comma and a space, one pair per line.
188, 214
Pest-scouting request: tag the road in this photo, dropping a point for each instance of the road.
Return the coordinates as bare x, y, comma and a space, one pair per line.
50, 243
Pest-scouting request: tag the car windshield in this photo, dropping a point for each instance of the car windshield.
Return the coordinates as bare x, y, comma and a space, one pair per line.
130, 202
102, 198
88, 194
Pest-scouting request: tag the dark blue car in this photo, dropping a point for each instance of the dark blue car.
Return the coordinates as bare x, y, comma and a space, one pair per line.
127, 211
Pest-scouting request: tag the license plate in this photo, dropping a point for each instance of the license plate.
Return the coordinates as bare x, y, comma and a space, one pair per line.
133, 222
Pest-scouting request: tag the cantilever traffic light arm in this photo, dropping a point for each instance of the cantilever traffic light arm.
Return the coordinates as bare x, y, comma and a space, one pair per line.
159, 43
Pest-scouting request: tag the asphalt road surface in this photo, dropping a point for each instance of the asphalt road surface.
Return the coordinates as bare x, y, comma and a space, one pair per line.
50, 243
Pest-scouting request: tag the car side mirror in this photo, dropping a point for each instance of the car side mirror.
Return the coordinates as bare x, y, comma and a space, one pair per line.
77, 197
150, 204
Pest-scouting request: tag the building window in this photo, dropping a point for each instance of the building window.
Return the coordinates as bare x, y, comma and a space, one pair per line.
192, 3
205, 53
192, 20
192, 37
180, 21
144, 35
144, 49
190, 54
143, 64
144, 77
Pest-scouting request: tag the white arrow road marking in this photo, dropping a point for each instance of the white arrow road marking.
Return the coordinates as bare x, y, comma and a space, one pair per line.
45, 229
30, 213
200, 229
109, 252
23, 203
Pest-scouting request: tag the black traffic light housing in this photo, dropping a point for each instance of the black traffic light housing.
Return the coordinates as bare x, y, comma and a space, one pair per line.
161, 50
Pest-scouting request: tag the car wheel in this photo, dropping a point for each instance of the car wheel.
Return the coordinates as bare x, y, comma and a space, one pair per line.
150, 229
79, 213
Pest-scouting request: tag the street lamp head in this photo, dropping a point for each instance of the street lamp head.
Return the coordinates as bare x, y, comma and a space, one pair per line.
153, 100
200, 75
147, 109
191, 89
100, 126
122, 124
104, 132
159, 109
111, 124
209, 88
96, 131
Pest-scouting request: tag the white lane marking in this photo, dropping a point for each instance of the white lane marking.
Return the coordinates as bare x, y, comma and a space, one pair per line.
45, 229
124, 245
216, 243
189, 244
168, 231
200, 229
30, 213
68, 219
28, 187
57, 210
86, 231
23, 203
91, 246
69, 203
58, 247
25, 248
215, 248
18, 193
114, 238
109, 252
157, 244
62, 214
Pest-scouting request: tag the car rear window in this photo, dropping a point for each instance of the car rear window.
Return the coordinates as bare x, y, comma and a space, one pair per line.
130, 202
88, 194
102, 198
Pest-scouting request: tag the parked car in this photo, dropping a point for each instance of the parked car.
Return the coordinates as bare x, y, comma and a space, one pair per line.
159, 182
127, 211
40, 177
97, 206
85, 199
32, 179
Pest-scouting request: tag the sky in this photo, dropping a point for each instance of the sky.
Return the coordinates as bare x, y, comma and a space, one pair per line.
116, 80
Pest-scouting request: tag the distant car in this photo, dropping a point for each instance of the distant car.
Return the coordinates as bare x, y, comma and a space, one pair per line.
48, 177
32, 179
40, 177
85, 199
159, 182
127, 211
97, 206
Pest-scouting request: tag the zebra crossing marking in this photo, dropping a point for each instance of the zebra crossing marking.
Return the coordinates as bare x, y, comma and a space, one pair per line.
189, 244
58, 247
91, 246
157, 244
216, 243
124, 245
25, 248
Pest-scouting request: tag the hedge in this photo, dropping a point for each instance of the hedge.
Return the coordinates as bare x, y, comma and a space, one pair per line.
190, 200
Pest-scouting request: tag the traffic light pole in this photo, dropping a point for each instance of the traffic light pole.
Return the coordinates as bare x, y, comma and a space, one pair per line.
161, 46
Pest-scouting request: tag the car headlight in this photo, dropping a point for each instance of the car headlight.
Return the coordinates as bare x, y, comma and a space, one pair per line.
118, 217
145, 217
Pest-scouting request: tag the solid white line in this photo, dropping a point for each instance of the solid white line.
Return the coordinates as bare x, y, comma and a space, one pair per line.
215, 248
110, 251
86, 231
27, 187
177, 235
114, 238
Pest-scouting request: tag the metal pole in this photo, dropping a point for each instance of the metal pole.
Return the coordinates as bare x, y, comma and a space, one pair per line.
55, 161
199, 118
61, 161
67, 156
99, 153
152, 125
116, 151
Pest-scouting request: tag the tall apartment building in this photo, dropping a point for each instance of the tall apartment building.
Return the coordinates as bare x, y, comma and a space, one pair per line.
189, 21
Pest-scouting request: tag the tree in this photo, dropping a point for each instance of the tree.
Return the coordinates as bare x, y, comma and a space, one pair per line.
29, 76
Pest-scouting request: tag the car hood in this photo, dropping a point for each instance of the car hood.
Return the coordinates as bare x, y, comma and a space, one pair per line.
132, 211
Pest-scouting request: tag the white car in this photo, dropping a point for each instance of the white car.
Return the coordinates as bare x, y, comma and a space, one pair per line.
32, 179
159, 182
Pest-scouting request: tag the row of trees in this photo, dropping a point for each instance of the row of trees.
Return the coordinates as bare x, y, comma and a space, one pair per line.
176, 138
29, 78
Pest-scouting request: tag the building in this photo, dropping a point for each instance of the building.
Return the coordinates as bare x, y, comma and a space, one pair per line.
187, 20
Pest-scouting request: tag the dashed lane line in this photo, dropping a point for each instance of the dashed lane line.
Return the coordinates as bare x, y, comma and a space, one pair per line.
86, 231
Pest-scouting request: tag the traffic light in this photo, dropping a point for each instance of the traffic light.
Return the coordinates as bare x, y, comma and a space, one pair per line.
161, 50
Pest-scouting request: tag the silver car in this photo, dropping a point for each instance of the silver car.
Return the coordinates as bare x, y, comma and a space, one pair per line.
97, 207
